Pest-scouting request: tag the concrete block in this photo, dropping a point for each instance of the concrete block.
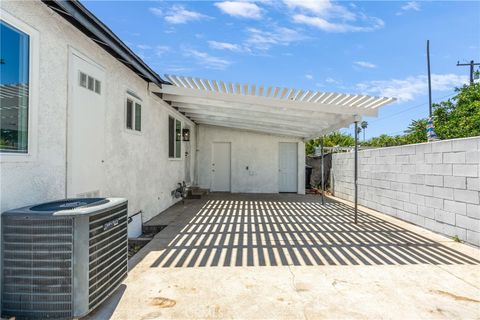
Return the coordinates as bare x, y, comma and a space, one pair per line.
445, 216
433, 158
418, 199
454, 157
442, 169
455, 207
444, 193
465, 170
465, 144
416, 178
408, 150
402, 177
441, 146
408, 168
467, 223
431, 180
397, 204
425, 190
401, 159
422, 168
432, 202
403, 196
452, 231
426, 212
410, 207
455, 182
416, 158
473, 184
396, 186
473, 156
466, 196
423, 148
473, 210
473, 237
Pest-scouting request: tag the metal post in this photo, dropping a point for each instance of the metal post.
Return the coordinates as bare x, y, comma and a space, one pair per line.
429, 81
472, 63
323, 173
355, 171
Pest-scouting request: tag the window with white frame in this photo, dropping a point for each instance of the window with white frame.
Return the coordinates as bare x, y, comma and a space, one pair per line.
174, 138
14, 89
133, 113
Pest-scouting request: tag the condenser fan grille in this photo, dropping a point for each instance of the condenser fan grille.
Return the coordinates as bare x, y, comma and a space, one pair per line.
37, 267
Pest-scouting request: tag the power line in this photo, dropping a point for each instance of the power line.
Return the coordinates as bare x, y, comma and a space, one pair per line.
410, 108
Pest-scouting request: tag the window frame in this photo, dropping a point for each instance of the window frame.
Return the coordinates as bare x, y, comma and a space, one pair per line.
33, 78
135, 101
175, 120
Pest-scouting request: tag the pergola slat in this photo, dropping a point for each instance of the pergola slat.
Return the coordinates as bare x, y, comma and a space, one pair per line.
286, 111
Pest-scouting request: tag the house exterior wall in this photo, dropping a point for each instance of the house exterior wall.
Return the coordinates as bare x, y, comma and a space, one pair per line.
257, 151
434, 185
136, 166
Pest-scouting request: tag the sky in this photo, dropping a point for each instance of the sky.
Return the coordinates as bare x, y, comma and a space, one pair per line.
364, 47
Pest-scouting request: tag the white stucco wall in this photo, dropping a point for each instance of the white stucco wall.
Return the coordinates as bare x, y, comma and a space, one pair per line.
257, 151
136, 166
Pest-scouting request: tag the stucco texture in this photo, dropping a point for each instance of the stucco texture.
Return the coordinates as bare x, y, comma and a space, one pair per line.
136, 165
258, 152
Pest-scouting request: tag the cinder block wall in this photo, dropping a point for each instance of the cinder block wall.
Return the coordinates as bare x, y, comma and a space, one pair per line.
433, 185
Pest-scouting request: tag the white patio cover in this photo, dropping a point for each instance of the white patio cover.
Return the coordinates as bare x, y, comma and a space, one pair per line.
283, 111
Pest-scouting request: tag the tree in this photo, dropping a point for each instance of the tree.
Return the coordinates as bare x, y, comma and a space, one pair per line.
364, 125
331, 140
458, 117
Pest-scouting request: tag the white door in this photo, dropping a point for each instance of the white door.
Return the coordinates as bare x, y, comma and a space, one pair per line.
221, 167
86, 120
287, 167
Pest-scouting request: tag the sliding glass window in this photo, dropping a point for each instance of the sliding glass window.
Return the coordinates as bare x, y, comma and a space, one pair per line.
14, 89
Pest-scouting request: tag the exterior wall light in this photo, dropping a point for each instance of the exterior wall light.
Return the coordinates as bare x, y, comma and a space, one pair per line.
186, 134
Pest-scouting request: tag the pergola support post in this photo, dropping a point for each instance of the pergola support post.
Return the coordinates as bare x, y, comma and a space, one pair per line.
323, 171
355, 171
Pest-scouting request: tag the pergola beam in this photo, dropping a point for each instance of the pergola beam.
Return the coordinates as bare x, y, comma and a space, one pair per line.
171, 93
251, 120
274, 131
261, 112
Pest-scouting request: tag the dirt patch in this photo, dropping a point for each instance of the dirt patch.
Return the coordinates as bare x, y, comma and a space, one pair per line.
163, 302
454, 296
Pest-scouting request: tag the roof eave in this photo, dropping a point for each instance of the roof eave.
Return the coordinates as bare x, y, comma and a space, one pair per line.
79, 16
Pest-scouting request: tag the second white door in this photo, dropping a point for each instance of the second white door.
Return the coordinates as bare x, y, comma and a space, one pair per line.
287, 167
221, 167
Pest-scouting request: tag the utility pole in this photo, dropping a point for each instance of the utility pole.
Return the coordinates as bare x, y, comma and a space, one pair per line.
429, 81
471, 64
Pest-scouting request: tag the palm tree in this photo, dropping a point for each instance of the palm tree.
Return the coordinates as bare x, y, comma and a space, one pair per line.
364, 126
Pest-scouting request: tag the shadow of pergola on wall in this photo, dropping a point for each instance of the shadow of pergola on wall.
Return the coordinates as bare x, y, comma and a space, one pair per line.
281, 233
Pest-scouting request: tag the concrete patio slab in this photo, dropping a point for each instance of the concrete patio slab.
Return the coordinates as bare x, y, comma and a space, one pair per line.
289, 257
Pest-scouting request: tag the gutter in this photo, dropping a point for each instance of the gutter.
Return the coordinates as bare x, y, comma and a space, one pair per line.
79, 16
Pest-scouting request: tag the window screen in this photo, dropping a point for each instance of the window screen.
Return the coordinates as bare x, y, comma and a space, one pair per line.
178, 140
171, 137
129, 114
138, 117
